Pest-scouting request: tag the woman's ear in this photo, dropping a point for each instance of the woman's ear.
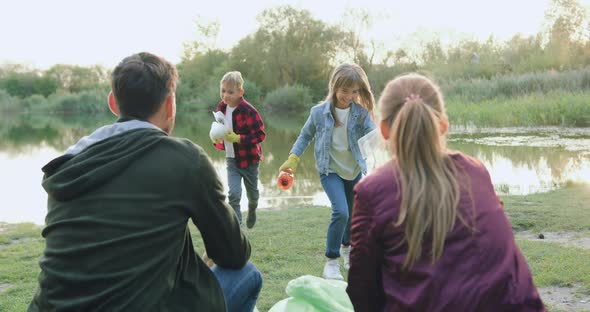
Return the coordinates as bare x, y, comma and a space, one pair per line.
113, 105
384, 129
444, 126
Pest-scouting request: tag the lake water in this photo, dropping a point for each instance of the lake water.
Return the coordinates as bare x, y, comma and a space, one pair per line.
520, 161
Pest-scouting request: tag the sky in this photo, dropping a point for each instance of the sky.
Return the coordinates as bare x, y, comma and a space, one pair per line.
41, 33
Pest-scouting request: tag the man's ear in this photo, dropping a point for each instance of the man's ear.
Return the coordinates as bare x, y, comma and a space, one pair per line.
170, 105
113, 105
384, 129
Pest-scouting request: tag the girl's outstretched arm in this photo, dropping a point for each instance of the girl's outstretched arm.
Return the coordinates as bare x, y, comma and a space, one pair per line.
305, 136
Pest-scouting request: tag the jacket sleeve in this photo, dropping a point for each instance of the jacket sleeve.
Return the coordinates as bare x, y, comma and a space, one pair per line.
364, 281
224, 241
305, 136
368, 125
255, 132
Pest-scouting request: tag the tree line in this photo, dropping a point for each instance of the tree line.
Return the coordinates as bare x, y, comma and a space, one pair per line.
288, 59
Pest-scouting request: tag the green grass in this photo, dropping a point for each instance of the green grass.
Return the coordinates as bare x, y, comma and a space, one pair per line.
516, 85
20, 248
290, 243
286, 245
556, 108
554, 265
566, 210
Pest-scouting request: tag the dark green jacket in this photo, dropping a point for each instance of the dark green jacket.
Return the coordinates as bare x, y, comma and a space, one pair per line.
116, 228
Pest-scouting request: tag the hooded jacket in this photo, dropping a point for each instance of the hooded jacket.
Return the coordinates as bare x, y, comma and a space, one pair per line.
117, 236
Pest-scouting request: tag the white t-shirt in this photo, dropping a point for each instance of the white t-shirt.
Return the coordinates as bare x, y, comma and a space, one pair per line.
229, 146
342, 161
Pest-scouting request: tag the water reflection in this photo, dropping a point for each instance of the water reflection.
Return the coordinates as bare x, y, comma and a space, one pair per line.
529, 163
519, 162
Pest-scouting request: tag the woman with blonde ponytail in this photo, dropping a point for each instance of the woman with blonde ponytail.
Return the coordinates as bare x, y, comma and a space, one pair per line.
428, 231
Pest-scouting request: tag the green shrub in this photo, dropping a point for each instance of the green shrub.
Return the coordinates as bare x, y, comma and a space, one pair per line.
34, 102
7, 102
91, 101
252, 92
205, 99
296, 98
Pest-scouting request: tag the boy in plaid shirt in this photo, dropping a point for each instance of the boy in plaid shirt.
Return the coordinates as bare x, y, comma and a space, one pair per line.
241, 144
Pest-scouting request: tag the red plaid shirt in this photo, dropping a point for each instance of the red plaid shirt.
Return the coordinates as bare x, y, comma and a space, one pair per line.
247, 123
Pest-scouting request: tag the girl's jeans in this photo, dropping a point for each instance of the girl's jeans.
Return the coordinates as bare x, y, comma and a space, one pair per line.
341, 196
240, 287
234, 181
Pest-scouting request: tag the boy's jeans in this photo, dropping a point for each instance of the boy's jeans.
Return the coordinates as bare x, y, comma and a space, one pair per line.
234, 181
240, 287
340, 193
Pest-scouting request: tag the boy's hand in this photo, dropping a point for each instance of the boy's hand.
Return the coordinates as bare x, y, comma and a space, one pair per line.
291, 163
232, 136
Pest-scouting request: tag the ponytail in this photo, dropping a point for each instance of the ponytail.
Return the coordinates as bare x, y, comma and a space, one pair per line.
427, 175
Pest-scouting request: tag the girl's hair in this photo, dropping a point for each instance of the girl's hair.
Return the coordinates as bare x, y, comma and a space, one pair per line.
347, 76
233, 78
413, 107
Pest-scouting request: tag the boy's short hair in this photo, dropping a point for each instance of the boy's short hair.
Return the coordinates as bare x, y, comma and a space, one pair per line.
233, 78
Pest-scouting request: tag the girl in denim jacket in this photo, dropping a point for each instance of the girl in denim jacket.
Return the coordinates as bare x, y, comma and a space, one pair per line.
336, 125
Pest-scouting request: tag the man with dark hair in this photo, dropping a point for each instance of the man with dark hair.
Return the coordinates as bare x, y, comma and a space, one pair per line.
119, 200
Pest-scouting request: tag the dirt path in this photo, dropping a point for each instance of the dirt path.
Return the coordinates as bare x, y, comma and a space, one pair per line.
562, 298
568, 239
4, 287
565, 298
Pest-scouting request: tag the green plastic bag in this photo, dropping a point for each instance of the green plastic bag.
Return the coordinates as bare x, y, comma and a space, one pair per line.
313, 294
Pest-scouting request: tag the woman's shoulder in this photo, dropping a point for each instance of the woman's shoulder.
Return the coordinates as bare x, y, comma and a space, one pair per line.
470, 165
466, 161
382, 179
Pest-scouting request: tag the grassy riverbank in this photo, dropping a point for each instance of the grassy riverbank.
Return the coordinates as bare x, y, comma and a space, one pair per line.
556, 108
290, 243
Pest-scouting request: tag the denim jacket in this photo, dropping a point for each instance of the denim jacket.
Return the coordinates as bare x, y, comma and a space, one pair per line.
320, 126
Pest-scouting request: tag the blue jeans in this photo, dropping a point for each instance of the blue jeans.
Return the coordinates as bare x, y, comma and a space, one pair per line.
240, 287
234, 181
341, 197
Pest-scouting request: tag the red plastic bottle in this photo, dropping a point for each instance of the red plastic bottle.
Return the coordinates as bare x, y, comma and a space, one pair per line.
285, 179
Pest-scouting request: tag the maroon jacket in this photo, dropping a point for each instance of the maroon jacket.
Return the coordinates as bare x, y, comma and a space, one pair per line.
248, 124
478, 271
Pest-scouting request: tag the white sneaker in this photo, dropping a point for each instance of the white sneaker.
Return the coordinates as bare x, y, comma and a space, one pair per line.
345, 254
332, 270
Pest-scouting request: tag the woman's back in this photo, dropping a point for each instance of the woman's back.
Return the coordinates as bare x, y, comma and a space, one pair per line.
481, 268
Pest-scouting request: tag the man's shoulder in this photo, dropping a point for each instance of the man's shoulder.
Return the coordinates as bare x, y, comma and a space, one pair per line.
185, 147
